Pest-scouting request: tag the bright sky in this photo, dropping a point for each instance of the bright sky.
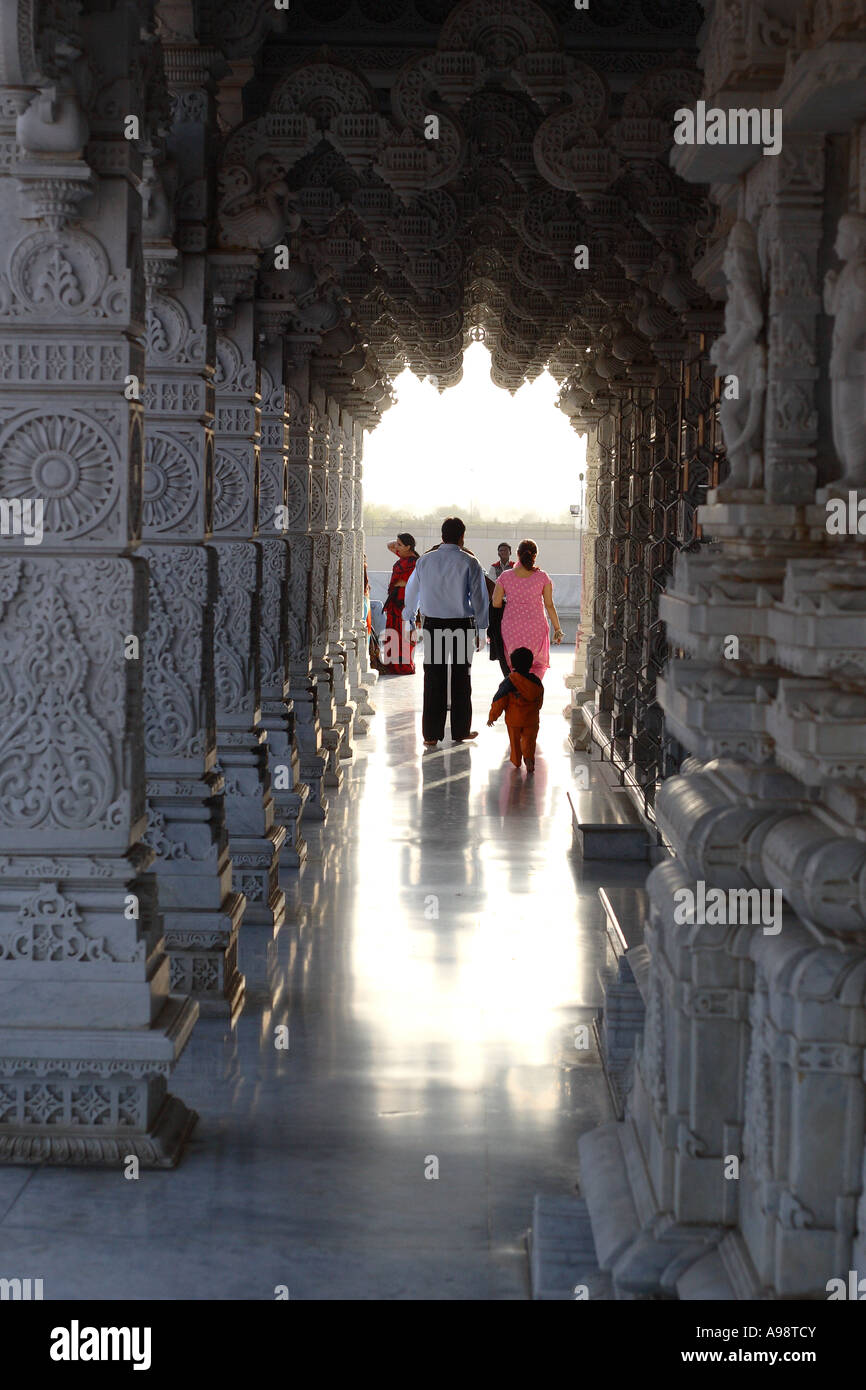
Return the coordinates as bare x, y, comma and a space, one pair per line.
475, 446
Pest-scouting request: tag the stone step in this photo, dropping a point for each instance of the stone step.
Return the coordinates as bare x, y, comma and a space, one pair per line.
621, 1019
625, 906
706, 1281
605, 1183
638, 959
562, 1252
606, 825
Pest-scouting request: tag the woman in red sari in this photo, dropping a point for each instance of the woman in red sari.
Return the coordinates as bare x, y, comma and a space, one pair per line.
397, 645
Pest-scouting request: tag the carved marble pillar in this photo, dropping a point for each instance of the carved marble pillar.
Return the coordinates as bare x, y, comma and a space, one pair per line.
255, 840
610, 570
338, 514
587, 640
323, 592
278, 716
789, 239
349, 602
186, 811
366, 676
302, 685
89, 1032
744, 1125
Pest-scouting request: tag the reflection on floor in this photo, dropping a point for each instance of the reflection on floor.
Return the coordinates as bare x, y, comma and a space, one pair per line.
444, 949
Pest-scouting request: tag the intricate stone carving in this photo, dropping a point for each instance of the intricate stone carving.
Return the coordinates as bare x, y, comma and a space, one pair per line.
845, 299
172, 704
67, 458
255, 210
171, 482
170, 336
231, 489
299, 598
49, 928
62, 279
59, 765
741, 354
232, 622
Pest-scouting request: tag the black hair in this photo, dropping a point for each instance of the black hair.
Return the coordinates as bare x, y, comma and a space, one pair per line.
453, 530
521, 660
503, 543
405, 538
526, 553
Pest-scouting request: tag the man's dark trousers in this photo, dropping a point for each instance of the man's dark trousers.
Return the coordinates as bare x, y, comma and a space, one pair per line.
448, 645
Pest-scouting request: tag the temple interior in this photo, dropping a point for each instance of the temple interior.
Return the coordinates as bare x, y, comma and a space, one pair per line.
289, 1008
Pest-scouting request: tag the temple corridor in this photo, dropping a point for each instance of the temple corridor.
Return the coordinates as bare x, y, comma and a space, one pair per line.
263, 966
410, 1037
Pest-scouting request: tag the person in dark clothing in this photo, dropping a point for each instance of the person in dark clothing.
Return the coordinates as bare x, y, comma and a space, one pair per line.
448, 587
494, 637
520, 696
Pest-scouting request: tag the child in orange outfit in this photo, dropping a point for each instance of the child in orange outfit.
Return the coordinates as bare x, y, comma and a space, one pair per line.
521, 696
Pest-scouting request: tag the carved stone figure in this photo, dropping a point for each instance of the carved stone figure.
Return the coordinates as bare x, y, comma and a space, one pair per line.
845, 299
255, 212
741, 358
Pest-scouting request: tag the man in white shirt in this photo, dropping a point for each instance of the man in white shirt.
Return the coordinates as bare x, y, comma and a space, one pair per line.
503, 563
448, 586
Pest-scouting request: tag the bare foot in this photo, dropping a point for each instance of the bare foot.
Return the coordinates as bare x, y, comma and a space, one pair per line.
465, 737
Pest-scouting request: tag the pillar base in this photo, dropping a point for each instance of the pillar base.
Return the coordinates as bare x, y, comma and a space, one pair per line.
313, 771
358, 682
331, 742
346, 723
289, 808
643, 1248
193, 871
102, 1106
308, 737
289, 792
255, 843
255, 859
580, 729
160, 1147
204, 959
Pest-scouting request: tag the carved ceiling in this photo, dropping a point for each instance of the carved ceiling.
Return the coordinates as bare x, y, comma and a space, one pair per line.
435, 170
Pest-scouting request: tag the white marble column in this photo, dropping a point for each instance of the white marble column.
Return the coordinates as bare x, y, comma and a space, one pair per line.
255, 840
323, 588
303, 686
289, 792
363, 675
350, 591
89, 1032
186, 811
739, 1170
587, 640
341, 638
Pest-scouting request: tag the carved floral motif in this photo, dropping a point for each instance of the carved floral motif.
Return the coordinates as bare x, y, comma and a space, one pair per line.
68, 459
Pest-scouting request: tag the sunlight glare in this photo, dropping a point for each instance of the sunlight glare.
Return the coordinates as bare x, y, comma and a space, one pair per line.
476, 448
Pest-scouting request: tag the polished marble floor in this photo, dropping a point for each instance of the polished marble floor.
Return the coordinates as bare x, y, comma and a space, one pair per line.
444, 948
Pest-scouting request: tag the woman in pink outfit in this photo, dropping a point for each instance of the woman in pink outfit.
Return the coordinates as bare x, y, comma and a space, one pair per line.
527, 592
